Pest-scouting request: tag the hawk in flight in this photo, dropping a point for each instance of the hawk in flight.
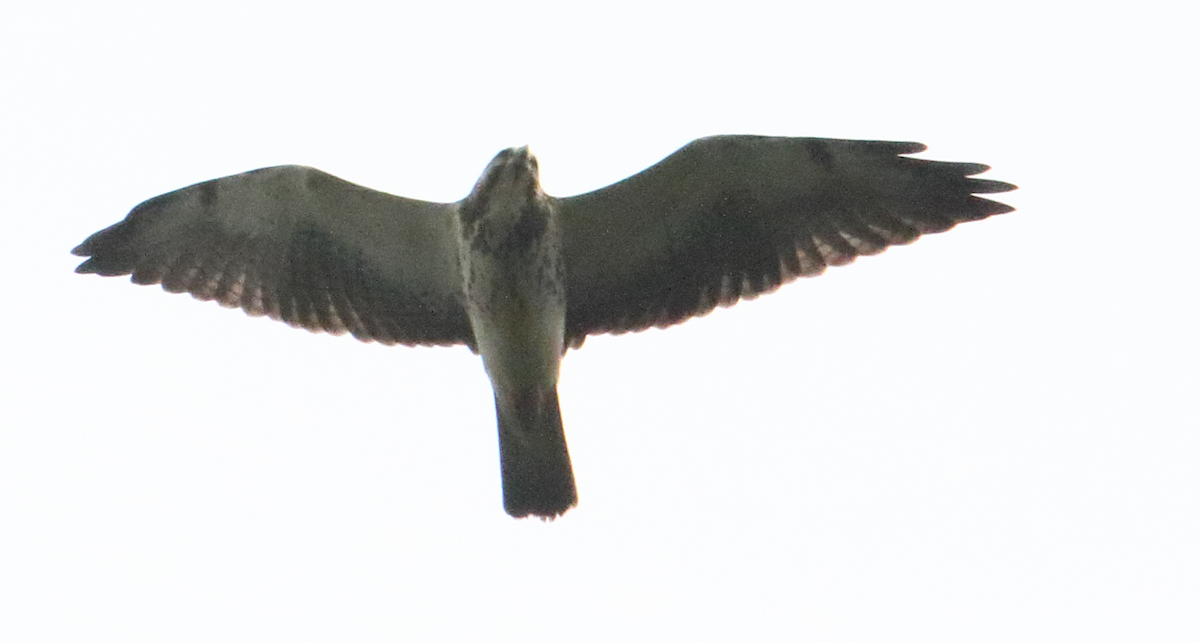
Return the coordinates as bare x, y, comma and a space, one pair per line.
519, 276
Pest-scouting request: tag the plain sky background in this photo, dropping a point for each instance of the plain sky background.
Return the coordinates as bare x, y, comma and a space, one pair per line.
990, 435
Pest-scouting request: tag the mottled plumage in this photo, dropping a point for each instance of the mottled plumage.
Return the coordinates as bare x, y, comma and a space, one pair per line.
519, 276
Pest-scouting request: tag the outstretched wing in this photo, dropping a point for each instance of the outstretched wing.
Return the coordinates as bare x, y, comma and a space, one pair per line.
728, 217
300, 246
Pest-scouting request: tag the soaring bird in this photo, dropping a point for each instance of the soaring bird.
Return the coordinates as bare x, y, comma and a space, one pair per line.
519, 276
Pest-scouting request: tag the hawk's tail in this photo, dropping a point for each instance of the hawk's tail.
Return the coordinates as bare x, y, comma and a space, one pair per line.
534, 464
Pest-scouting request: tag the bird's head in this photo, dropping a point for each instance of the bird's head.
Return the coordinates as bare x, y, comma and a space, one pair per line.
508, 186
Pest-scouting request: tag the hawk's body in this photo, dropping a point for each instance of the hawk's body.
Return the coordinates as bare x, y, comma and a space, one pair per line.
519, 276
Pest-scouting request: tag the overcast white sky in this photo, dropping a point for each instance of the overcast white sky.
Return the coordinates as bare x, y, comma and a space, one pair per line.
990, 435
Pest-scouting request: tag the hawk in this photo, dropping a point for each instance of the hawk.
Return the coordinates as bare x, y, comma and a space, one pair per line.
519, 276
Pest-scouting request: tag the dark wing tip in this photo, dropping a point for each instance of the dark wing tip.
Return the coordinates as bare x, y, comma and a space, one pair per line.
87, 267
986, 207
88, 247
995, 207
106, 253
908, 147
988, 186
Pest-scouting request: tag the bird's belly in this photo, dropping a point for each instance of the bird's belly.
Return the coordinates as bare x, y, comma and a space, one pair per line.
519, 320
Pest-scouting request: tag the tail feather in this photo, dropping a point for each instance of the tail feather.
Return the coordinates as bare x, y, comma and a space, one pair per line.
535, 467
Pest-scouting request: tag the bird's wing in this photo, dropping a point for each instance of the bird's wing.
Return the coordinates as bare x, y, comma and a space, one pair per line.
300, 246
728, 217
